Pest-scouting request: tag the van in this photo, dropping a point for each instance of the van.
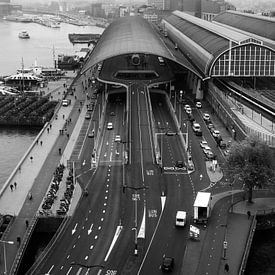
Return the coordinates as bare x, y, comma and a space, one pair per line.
161, 61
180, 218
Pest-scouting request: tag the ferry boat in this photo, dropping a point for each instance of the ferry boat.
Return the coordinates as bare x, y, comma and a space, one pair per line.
24, 35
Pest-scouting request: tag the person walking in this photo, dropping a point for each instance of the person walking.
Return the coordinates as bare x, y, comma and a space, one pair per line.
11, 187
18, 239
226, 267
41, 142
27, 223
31, 158
15, 184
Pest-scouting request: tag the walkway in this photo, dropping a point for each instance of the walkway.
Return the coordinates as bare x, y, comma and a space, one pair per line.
35, 174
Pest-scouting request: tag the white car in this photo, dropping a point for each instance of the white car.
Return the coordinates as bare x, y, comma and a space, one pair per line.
188, 111
187, 107
109, 126
216, 133
203, 144
206, 117
206, 149
198, 104
117, 138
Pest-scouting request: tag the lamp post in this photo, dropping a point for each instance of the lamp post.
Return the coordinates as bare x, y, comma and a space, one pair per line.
135, 199
5, 257
181, 93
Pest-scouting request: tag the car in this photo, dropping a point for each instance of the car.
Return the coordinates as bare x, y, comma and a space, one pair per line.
196, 127
215, 133
222, 144
210, 126
170, 133
167, 264
117, 138
206, 117
109, 126
88, 116
206, 148
91, 134
198, 104
186, 106
112, 114
188, 110
209, 155
203, 143
179, 164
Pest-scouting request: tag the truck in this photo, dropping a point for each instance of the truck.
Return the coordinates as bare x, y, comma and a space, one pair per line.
202, 207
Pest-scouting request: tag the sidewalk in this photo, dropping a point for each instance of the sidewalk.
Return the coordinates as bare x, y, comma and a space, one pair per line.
35, 175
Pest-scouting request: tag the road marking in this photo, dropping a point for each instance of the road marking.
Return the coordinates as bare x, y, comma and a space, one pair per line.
84, 162
96, 237
163, 200
73, 231
79, 271
68, 256
141, 233
111, 156
106, 198
103, 211
50, 269
69, 271
118, 230
91, 247
90, 229
86, 257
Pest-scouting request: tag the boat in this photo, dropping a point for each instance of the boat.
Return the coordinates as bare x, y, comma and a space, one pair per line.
84, 38
20, 19
42, 71
24, 35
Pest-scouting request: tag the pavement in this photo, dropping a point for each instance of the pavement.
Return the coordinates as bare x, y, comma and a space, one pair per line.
32, 174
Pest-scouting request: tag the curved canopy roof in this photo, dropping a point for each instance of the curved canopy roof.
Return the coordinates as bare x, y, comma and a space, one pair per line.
259, 25
128, 35
204, 42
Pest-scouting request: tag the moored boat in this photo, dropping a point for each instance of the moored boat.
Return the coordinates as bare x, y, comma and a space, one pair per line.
24, 35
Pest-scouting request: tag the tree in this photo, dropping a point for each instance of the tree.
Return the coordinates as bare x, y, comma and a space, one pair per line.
253, 162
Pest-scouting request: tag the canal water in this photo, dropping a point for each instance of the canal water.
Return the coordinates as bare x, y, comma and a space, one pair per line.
45, 44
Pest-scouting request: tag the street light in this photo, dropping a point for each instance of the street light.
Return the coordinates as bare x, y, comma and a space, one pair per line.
135, 200
5, 257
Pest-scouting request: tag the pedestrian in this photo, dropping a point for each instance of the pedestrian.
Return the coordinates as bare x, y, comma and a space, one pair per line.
37, 141
41, 142
68, 135
19, 169
11, 187
18, 239
31, 158
79, 110
226, 267
27, 223
59, 151
15, 184
48, 130
70, 120
248, 214
50, 126
63, 116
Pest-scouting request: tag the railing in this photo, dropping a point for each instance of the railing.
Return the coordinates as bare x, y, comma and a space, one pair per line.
248, 245
23, 246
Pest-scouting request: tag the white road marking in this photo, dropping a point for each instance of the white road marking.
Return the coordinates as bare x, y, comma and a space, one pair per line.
50, 269
141, 233
90, 229
69, 271
74, 229
118, 230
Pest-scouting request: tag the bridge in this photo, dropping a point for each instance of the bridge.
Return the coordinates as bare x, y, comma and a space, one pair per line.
124, 221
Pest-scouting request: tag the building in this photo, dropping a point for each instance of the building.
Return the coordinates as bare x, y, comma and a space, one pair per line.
5, 7
205, 9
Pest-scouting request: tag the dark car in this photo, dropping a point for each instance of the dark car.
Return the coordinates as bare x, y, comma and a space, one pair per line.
167, 264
